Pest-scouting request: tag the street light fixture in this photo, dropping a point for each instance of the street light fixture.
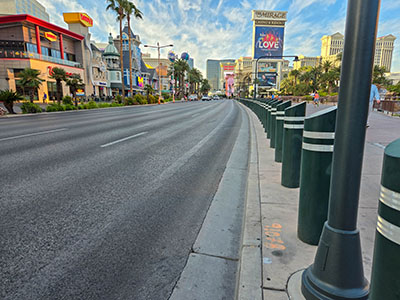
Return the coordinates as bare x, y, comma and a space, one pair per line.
158, 47
296, 58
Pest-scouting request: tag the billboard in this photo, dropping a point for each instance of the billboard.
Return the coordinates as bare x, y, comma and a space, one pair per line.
270, 67
268, 41
229, 84
267, 79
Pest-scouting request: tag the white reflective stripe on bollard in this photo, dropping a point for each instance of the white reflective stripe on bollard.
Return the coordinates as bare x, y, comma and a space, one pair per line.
295, 118
317, 147
281, 113
390, 198
319, 135
293, 126
280, 118
388, 230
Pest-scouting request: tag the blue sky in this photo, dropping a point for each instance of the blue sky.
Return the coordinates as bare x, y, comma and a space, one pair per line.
220, 29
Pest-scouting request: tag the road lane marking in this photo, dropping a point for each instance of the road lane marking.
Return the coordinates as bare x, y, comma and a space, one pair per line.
195, 115
32, 134
124, 139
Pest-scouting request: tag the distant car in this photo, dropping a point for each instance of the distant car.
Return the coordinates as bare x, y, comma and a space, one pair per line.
215, 98
193, 98
205, 98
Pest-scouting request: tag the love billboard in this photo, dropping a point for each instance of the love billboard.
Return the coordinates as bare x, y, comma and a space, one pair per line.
268, 41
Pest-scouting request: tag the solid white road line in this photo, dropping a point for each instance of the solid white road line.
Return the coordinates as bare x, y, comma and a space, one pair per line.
32, 134
124, 139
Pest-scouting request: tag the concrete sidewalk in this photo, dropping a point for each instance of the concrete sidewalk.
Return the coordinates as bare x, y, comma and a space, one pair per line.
271, 213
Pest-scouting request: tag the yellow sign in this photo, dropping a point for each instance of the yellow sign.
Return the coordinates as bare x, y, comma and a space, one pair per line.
50, 36
81, 18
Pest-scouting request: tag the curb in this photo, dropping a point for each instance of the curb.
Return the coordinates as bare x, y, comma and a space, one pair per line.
249, 284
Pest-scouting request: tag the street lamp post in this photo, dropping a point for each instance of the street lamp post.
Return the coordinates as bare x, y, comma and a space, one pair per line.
337, 272
158, 47
256, 72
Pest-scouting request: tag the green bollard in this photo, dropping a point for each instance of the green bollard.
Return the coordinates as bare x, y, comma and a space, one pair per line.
267, 108
291, 147
280, 117
385, 279
315, 174
269, 117
273, 123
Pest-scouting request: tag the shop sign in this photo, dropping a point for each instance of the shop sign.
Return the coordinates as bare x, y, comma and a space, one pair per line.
50, 70
50, 36
86, 20
82, 18
80, 92
100, 83
140, 81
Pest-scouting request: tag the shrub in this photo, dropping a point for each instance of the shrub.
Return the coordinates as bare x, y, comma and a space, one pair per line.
118, 99
67, 100
91, 104
152, 99
55, 107
308, 97
139, 99
165, 95
116, 104
129, 101
69, 107
144, 101
104, 105
81, 106
30, 108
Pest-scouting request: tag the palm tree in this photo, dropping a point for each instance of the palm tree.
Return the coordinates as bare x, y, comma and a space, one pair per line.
59, 75
75, 82
117, 6
9, 97
326, 65
180, 67
295, 74
205, 86
131, 9
29, 78
195, 78
149, 91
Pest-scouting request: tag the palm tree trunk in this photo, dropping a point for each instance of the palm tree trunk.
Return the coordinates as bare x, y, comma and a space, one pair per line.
130, 55
121, 56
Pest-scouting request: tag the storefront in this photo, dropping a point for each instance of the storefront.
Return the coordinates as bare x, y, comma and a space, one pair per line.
29, 42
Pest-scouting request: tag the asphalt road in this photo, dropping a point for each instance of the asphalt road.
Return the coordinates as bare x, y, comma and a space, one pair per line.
106, 204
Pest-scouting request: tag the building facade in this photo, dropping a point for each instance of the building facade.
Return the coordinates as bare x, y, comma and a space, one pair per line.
152, 63
136, 56
213, 73
112, 59
243, 75
19, 7
332, 44
306, 61
384, 51
29, 42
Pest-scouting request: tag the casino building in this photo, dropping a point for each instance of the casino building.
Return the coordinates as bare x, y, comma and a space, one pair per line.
29, 42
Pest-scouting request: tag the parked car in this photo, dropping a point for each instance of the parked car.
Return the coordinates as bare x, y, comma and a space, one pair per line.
205, 98
215, 97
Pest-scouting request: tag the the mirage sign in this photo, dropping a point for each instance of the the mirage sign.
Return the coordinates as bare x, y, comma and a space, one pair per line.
268, 41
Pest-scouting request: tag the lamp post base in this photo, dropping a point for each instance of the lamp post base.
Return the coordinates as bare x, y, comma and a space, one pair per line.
337, 272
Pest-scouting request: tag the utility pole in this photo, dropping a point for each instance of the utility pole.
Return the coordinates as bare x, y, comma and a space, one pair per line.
159, 66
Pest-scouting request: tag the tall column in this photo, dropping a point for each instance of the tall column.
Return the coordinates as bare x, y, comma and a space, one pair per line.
38, 45
61, 46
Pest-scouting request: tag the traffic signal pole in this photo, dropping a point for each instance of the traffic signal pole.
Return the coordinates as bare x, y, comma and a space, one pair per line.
337, 272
